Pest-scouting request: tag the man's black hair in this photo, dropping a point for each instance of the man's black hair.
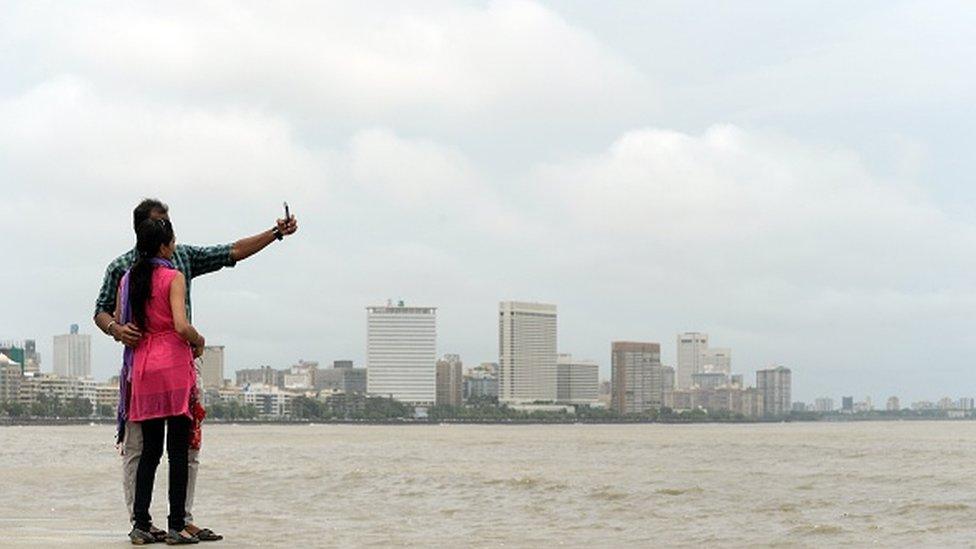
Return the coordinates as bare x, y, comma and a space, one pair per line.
145, 209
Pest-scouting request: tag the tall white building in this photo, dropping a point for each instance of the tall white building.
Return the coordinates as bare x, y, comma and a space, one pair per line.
526, 352
577, 381
212, 367
401, 352
72, 354
691, 346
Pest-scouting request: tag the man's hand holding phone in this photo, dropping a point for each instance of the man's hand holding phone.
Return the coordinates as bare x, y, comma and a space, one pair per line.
288, 225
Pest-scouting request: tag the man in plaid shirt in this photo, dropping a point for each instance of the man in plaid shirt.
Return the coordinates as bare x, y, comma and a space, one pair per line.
192, 261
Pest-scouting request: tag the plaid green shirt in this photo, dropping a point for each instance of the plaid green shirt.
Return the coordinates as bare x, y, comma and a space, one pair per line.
192, 261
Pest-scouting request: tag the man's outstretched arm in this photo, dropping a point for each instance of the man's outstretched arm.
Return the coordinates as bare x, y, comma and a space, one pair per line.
246, 247
208, 259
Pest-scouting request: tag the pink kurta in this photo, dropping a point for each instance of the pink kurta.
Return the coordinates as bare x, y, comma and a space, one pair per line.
163, 373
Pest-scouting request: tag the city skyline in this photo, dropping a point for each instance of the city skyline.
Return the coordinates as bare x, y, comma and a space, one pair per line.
213, 362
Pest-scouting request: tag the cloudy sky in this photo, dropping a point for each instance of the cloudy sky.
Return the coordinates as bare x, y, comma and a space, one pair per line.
793, 178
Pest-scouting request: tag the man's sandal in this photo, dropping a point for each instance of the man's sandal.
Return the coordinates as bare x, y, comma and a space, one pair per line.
206, 534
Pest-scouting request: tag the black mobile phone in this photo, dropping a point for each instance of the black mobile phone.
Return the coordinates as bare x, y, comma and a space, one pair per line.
287, 215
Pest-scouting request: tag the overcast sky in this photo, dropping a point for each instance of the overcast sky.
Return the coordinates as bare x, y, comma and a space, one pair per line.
793, 178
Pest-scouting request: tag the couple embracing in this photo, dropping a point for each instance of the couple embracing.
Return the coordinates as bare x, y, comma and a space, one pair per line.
144, 303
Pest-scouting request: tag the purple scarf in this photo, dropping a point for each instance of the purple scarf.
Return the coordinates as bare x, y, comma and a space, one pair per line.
125, 375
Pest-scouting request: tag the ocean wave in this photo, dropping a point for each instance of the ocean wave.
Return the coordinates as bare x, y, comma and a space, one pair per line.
943, 507
607, 493
678, 491
817, 530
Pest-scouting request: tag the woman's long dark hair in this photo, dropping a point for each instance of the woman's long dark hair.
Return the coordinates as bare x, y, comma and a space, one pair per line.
151, 235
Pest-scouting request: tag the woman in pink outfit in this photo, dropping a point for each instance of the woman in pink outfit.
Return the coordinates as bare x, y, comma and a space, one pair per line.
163, 374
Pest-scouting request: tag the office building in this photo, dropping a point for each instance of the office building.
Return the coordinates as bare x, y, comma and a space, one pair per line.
847, 404
269, 401
10, 376
15, 353
354, 380
481, 381
72, 354
527, 352
893, 404
667, 386
343, 377
691, 348
823, 404
775, 386
65, 389
300, 377
709, 380
716, 360
212, 367
401, 352
32, 359
965, 403
577, 381
265, 375
636, 376
753, 403
23, 353
450, 381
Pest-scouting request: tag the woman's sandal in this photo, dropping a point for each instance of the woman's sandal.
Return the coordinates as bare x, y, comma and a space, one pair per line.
174, 537
141, 537
206, 534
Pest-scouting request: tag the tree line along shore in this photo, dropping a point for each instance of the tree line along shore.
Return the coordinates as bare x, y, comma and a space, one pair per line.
380, 410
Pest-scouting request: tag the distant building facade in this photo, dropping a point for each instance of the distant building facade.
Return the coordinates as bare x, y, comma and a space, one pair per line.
269, 401
823, 404
212, 367
10, 376
847, 404
401, 352
716, 360
450, 381
72, 354
636, 376
302, 376
526, 352
23, 353
775, 385
481, 381
691, 348
709, 380
577, 381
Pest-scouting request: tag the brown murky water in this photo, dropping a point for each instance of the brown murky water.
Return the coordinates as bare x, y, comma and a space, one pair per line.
897, 483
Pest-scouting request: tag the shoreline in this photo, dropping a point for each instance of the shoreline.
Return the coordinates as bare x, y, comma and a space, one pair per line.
56, 422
